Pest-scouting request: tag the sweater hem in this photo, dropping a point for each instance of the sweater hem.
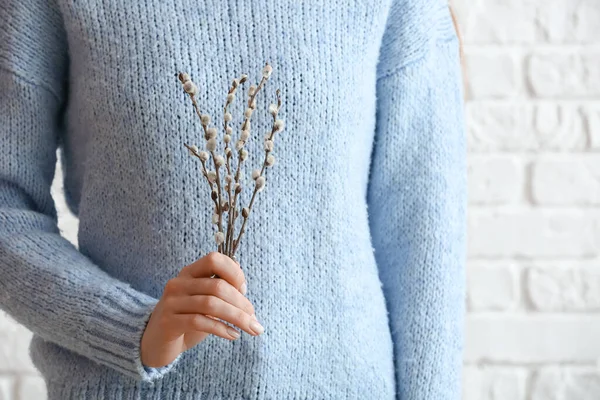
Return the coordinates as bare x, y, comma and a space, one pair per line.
63, 391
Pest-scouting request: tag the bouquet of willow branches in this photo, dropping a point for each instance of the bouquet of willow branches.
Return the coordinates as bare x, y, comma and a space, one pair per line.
224, 181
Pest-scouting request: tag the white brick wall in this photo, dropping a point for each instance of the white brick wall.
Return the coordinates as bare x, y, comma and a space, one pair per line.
533, 110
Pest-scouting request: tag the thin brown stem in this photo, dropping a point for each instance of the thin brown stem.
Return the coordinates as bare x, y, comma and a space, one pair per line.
243, 228
219, 197
204, 171
264, 165
219, 209
246, 120
240, 161
232, 89
233, 216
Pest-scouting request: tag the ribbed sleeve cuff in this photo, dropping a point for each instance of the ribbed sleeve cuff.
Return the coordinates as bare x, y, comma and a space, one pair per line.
114, 333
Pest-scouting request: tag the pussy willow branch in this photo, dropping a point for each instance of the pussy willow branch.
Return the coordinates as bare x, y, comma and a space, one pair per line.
247, 120
220, 206
262, 171
204, 171
219, 209
231, 211
251, 103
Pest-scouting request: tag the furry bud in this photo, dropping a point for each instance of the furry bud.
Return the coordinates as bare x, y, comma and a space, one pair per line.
212, 176
267, 70
183, 77
248, 113
270, 160
203, 155
244, 78
260, 183
251, 90
205, 119
214, 194
269, 145
255, 174
215, 218
219, 160
193, 149
190, 88
211, 144
273, 110
245, 135
227, 138
239, 145
279, 125
228, 130
238, 188
211, 133
243, 154
219, 238
228, 117
245, 212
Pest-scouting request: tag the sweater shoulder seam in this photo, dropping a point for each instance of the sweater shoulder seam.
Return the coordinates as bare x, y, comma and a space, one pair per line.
401, 68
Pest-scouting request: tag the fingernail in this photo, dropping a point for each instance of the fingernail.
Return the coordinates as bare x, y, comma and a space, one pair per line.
233, 333
256, 327
254, 316
244, 288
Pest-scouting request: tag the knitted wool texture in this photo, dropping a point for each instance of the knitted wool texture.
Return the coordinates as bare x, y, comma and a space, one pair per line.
354, 252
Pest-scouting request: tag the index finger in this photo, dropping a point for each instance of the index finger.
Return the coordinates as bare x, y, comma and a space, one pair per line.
217, 264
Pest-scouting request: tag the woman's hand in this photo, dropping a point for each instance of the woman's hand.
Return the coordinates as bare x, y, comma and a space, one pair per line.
192, 305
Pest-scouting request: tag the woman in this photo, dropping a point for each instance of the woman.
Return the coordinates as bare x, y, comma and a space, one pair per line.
353, 259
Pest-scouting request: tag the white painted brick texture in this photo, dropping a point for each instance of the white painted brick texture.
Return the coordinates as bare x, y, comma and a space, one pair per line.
533, 125
533, 122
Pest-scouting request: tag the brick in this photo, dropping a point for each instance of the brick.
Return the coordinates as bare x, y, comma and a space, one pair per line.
532, 233
497, 22
492, 74
529, 21
565, 74
521, 339
32, 387
6, 388
573, 180
14, 347
567, 21
559, 126
495, 180
564, 287
566, 383
494, 383
524, 127
492, 286
591, 115
499, 126
472, 378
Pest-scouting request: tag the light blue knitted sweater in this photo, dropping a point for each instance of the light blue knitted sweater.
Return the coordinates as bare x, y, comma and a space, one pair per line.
354, 254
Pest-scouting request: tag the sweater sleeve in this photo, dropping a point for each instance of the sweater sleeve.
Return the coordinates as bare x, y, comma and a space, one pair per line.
46, 284
417, 199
